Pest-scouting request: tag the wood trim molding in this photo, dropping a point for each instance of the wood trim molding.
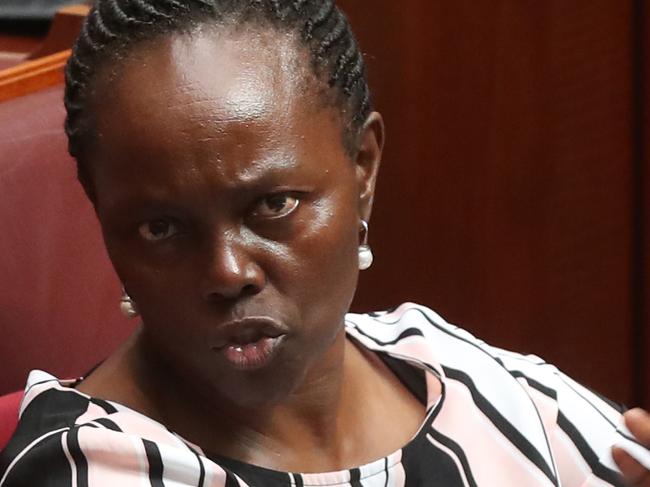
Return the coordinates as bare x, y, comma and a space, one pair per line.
33, 75
65, 28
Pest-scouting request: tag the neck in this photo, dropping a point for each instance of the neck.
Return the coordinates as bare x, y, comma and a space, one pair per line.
313, 418
319, 427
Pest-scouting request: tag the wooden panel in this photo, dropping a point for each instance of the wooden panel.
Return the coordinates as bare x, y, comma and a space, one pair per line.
644, 54
65, 28
15, 49
32, 76
18, 44
504, 197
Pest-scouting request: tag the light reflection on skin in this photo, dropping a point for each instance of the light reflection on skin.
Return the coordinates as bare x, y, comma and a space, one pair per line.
245, 93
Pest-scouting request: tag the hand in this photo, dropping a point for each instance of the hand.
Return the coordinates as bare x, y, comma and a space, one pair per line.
638, 422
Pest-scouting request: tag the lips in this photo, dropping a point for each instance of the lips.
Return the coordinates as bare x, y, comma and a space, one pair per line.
249, 343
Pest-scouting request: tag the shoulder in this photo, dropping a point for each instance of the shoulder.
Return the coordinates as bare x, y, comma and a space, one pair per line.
561, 426
67, 438
420, 333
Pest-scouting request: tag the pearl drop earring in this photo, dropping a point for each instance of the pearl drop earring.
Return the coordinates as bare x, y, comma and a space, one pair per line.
365, 254
127, 305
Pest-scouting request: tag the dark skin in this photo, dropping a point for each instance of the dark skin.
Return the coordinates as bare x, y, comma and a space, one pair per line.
224, 191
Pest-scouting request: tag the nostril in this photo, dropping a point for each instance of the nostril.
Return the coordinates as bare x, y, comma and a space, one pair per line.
249, 290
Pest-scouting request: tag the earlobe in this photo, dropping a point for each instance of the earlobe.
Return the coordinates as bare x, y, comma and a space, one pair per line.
368, 160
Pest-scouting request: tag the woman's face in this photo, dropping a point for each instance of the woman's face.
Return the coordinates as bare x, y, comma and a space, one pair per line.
230, 208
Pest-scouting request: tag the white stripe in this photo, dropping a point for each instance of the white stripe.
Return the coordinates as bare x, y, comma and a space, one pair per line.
596, 421
377, 480
142, 459
515, 454
451, 455
570, 449
594, 418
68, 455
551, 377
26, 450
179, 466
590, 399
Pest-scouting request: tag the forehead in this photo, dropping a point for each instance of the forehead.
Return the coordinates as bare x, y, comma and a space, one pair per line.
207, 76
215, 103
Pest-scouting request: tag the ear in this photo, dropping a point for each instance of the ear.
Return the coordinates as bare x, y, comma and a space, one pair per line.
368, 158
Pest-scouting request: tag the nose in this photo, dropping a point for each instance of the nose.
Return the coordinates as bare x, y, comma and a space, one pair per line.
230, 271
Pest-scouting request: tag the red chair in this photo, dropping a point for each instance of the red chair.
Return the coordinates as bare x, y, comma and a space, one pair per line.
59, 296
9, 406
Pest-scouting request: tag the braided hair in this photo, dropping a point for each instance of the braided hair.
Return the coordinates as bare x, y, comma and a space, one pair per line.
115, 27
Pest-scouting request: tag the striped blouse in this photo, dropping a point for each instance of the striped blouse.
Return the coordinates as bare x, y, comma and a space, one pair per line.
494, 418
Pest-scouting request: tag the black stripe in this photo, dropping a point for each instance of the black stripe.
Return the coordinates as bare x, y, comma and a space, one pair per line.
201, 470
155, 463
31, 386
196, 454
414, 378
547, 391
445, 331
108, 424
105, 405
355, 477
231, 481
48, 411
458, 451
602, 472
405, 334
45, 464
552, 393
386, 471
515, 437
78, 457
299, 481
440, 328
616, 406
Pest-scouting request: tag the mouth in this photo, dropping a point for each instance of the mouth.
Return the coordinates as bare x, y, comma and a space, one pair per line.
249, 343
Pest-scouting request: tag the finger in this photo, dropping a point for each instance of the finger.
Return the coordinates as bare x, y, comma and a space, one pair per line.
638, 422
633, 471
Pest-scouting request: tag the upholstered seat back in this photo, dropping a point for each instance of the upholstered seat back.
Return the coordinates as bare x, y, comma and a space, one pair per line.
59, 295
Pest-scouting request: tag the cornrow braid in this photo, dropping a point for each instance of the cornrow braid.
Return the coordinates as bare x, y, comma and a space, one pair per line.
113, 28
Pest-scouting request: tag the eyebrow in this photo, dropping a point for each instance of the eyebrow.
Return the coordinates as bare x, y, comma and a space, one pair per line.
256, 176
152, 197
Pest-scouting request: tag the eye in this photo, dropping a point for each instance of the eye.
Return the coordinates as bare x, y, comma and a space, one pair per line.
157, 230
276, 206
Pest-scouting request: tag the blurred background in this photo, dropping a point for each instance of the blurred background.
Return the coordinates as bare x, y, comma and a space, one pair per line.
513, 196
24, 25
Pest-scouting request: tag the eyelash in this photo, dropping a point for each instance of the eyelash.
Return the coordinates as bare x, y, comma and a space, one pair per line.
146, 227
172, 226
267, 199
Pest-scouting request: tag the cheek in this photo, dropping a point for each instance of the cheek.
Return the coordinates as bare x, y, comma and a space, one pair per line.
329, 256
156, 288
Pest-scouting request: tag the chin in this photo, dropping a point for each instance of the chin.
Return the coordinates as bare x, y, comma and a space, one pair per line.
256, 390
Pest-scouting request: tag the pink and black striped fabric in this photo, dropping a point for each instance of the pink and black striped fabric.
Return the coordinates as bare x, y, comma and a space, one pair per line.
494, 418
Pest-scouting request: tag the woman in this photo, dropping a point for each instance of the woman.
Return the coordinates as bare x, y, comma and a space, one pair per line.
230, 150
